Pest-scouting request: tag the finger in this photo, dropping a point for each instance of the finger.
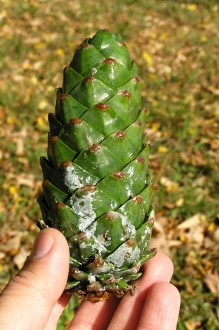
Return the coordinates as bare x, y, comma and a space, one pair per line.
161, 308
35, 290
127, 315
94, 315
57, 311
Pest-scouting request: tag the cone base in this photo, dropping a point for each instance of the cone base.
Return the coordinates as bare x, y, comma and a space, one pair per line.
99, 294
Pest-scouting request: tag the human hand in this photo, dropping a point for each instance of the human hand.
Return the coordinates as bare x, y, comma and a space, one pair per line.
34, 298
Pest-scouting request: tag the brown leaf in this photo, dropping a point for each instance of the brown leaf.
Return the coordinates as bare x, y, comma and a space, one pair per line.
2, 255
193, 221
19, 139
10, 243
162, 243
170, 186
25, 179
212, 282
216, 235
190, 325
20, 258
12, 246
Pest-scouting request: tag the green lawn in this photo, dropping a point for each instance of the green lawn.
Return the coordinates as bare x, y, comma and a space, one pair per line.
176, 46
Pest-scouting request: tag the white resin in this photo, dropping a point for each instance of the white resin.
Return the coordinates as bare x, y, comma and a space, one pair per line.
127, 225
130, 171
91, 279
83, 207
128, 191
71, 179
122, 254
99, 243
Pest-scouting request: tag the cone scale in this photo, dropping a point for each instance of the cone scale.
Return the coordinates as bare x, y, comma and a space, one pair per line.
96, 187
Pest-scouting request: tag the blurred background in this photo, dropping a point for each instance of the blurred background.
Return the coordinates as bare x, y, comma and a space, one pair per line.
176, 46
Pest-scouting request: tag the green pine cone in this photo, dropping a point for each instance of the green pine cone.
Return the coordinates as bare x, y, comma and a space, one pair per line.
96, 187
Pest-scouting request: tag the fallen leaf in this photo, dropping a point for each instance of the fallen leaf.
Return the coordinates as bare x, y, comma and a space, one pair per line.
170, 185
20, 258
10, 243
163, 149
59, 52
180, 202
212, 281
19, 139
193, 221
148, 58
25, 179
190, 325
2, 255
43, 105
158, 227
216, 235
191, 7
12, 246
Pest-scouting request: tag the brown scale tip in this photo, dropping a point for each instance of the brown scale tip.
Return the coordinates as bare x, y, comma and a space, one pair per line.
84, 45
53, 139
145, 110
60, 205
120, 134
126, 94
111, 215
66, 164
131, 242
94, 287
88, 188
102, 106
94, 297
45, 183
111, 280
121, 43
63, 96
138, 199
88, 79
118, 175
109, 60
82, 236
136, 79
140, 159
95, 147
74, 271
98, 262
75, 121
138, 123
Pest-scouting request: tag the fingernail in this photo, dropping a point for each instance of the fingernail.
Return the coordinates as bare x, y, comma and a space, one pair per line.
42, 245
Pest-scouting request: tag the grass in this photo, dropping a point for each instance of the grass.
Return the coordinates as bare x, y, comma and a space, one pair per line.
175, 45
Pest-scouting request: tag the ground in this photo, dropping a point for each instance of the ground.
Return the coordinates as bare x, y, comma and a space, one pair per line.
175, 44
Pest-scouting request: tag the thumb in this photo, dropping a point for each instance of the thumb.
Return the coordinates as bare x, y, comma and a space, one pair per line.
28, 299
